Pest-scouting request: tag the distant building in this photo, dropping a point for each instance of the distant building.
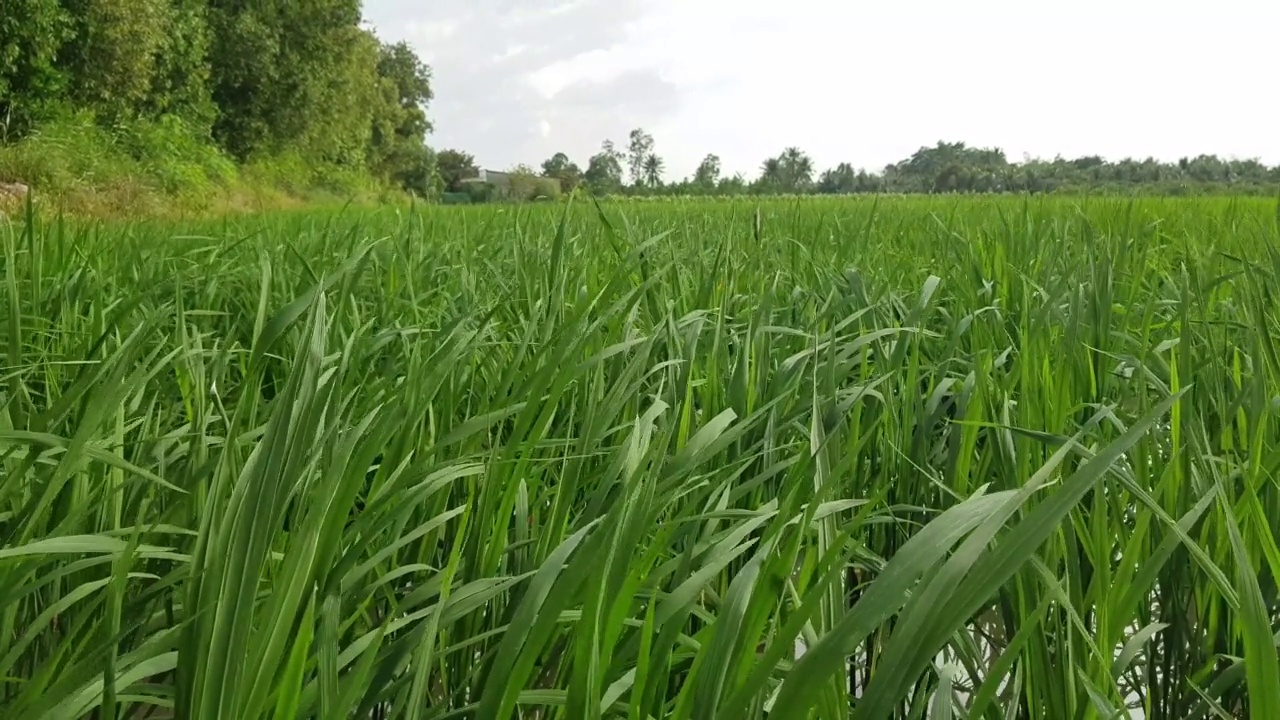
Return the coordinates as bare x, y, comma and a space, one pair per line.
501, 181
529, 186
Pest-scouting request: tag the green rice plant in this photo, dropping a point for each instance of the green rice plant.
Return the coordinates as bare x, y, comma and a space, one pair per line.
842, 458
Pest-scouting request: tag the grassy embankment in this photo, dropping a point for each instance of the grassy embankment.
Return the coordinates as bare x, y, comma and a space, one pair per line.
1011, 459
159, 169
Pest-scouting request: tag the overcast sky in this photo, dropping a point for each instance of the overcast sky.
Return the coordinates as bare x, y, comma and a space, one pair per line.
846, 80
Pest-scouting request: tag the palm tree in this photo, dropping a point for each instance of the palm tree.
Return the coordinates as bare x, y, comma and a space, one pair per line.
652, 169
797, 169
771, 171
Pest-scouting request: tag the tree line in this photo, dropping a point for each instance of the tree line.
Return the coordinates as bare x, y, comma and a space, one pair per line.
307, 83
302, 80
945, 167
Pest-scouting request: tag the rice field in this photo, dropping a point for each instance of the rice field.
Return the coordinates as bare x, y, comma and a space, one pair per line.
826, 458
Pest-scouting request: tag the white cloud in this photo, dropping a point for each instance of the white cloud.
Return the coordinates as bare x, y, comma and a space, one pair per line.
862, 82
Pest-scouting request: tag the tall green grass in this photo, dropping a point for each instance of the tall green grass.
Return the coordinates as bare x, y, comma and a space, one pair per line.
151, 168
980, 458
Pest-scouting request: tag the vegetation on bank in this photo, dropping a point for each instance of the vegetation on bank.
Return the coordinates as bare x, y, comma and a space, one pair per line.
982, 458
148, 106
946, 168
188, 104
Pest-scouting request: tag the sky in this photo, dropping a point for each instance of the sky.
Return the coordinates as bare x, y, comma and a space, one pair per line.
845, 80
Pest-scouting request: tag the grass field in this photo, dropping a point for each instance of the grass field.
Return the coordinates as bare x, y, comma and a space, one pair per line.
978, 458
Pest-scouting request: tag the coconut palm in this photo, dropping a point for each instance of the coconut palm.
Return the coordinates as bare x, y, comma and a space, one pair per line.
797, 169
652, 170
771, 172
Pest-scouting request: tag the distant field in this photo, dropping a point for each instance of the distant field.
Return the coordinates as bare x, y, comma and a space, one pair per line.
977, 458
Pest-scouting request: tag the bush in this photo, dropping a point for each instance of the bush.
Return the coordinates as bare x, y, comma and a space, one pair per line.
65, 153
176, 155
142, 167
528, 186
287, 171
295, 174
74, 157
481, 192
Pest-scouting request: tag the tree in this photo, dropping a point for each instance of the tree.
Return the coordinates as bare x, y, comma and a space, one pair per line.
244, 60
1249, 170
708, 172
526, 184
114, 58
639, 148
736, 185
839, 180
343, 95
180, 82
454, 166
771, 176
397, 146
293, 77
303, 84
797, 169
653, 167
560, 167
32, 33
955, 167
604, 170
791, 171
866, 182
401, 68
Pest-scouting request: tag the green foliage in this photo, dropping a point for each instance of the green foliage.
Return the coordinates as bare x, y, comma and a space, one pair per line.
294, 76
639, 148
297, 174
78, 153
244, 64
653, 167
142, 167
411, 80
604, 171
946, 168
789, 172
526, 184
32, 32
454, 166
838, 180
180, 83
708, 173
982, 458
338, 127
256, 81
62, 153
113, 58
176, 155
560, 167
481, 192
397, 150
